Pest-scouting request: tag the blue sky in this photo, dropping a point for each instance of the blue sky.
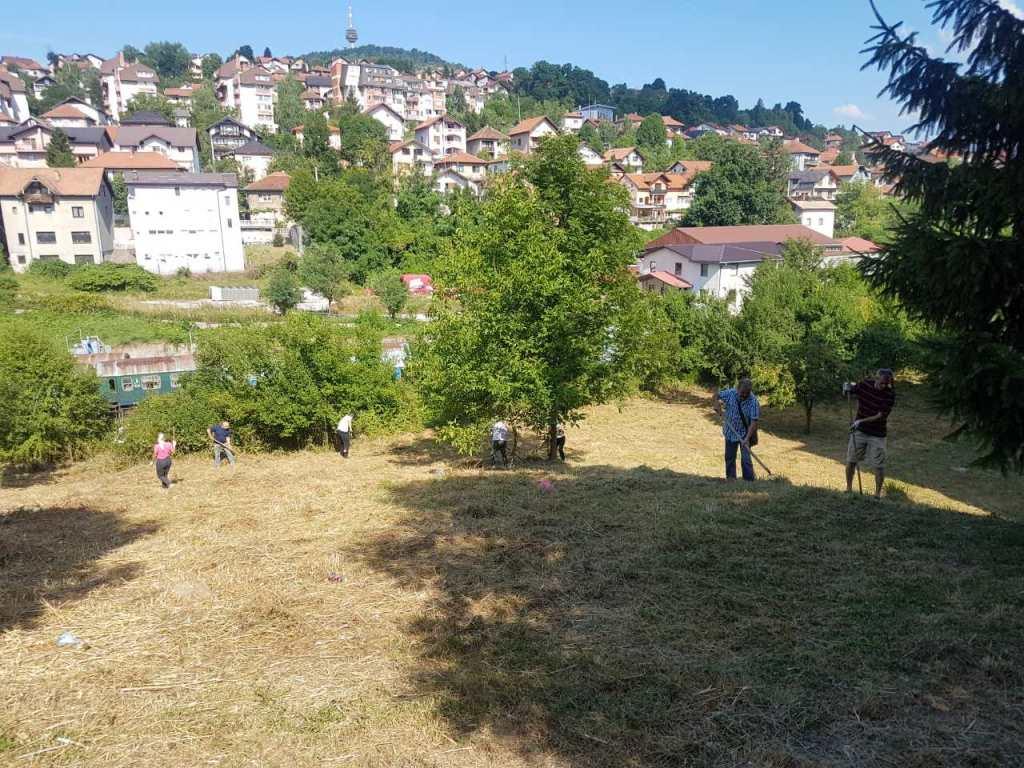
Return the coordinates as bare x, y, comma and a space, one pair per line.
804, 50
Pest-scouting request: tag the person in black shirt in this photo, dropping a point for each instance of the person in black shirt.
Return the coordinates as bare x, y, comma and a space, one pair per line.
875, 400
221, 436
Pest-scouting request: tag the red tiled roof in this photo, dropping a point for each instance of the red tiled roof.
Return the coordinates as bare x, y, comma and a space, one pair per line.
797, 147
488, 133
671, 122
65, 111
460, 157
131, 161
745, 233
859, 245
529, 125
273, 182
667, 278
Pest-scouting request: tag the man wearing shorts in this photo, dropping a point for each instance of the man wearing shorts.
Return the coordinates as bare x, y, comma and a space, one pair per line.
875, 399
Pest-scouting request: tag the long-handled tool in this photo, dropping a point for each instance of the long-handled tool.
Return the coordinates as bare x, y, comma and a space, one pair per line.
227, 448
853, 436
749, 449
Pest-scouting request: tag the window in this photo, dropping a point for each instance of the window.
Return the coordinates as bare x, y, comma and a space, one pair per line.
81, 238
177, 191
151, 382
704, 270
21, 258
174, 380
126, 384
679, 268
46, 238
78, 212
83, 258
229, 223
40, 208
821, 221
112, 385
21, 238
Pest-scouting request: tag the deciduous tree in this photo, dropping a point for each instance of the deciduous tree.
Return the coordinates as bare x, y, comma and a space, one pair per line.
58, 151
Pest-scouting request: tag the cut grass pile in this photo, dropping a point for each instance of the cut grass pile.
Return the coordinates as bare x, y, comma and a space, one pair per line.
404, 608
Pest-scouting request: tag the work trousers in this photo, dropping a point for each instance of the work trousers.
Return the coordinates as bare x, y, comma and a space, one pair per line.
745, 461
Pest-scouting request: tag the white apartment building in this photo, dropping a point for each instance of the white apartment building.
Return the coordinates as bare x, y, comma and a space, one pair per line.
819, 215
525, 136
390, 119
407, 156
178, 144
370, 84
254, 157
185, 220
56, 214
443, 135
121, 82
249, 90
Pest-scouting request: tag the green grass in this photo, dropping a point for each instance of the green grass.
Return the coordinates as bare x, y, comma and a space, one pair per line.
641, 613
112, 328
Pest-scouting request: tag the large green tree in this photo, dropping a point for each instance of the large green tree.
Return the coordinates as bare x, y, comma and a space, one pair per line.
536, 313
51, 406
651, 133
150, 102
801, 323
746, 185
324, 269
206, 111
211, 63
364, 142
955, 262
58, 151
170, 60
289, 111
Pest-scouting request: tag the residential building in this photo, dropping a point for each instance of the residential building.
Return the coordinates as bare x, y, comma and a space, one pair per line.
179, 144
743, 133
720, 259
333, 139
444, 135
410, 155
453, 181
632, 121
29, 66
267, 216
816, 184
393, 121
463, 163
848, 173
254, 157
572, 122
312, 99
247, 89
673, 127
185, 220
68, 116
834, 141
41, 84
819, 215
24, 145
526, 134
598, 112
657, 198
771, 132
591, 158
13, 96
488, 141
228, 135
627, 157
801, 155
182, 95
721, 270
319, 83
225, 80
121, 82
56, 214
182, 118
854, 249
91, 111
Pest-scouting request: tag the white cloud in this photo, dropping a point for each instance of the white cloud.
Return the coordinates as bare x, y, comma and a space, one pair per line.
1012, 7
851, 111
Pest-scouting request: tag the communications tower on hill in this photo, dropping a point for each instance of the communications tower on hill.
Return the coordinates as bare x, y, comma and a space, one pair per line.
350, 34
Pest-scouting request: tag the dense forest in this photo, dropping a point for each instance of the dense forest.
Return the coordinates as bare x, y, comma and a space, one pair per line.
402, 59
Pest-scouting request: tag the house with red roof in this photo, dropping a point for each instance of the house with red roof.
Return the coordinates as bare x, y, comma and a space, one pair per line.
526, 134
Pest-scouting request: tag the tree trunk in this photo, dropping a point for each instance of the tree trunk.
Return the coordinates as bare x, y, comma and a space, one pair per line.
807, 412
552, 437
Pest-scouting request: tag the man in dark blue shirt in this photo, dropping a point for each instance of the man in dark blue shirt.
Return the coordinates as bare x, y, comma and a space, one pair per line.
221, 436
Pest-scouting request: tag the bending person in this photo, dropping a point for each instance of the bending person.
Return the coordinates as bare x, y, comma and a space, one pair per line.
162, 452
875, 400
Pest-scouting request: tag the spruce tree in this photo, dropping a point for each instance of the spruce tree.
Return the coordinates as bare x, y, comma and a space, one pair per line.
956, 261
58, 151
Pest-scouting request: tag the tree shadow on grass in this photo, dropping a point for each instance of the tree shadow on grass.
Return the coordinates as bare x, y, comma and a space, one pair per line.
48, 557
634, 617
427, 450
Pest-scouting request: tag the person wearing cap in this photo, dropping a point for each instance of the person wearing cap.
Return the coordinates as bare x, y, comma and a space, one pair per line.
875, 400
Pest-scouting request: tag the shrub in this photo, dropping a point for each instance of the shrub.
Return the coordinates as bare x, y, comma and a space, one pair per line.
51, 406
183, 272
72, 303
53, 270
278, 241
390, 289
183, 416
283, 290
8, 289
96, 278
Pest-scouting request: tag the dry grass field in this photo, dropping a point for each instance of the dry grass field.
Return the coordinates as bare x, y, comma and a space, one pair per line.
406, 608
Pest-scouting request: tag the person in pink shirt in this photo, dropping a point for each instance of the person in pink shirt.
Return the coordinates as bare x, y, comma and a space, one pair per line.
162, 453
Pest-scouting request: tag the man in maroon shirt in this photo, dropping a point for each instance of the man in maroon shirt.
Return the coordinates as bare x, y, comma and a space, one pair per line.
875, 399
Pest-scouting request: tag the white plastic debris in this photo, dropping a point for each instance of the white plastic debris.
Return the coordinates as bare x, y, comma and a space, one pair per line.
70, 639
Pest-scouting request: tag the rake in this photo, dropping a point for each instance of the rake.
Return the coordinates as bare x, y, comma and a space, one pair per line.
749, 449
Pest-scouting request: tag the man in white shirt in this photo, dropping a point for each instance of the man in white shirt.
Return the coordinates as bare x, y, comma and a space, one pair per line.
499, 442
345, 434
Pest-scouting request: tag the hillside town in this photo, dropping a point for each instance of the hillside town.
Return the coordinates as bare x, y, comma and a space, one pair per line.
143, 166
